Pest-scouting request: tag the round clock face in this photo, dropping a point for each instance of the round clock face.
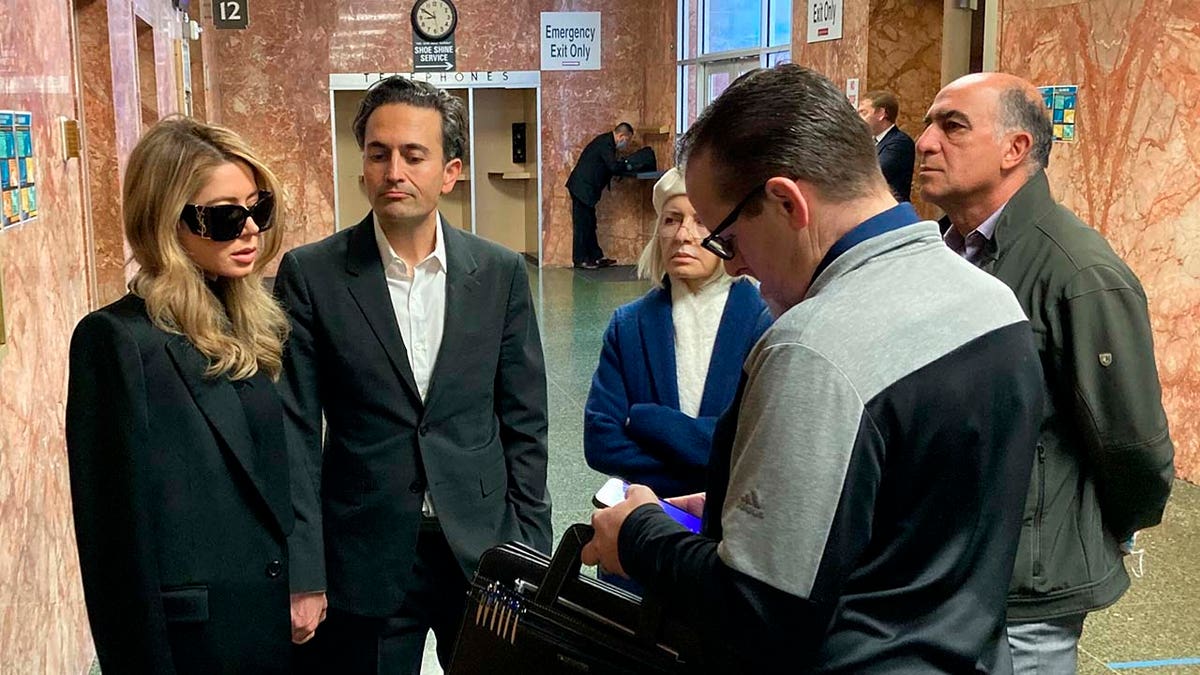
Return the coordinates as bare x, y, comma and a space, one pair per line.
434, 20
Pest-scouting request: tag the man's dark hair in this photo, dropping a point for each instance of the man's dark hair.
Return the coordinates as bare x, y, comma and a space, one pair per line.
785, 121
624, 128
1018, 112
886, 100
396, 89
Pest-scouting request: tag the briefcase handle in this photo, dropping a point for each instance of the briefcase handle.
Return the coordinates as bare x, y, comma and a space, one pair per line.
565, 565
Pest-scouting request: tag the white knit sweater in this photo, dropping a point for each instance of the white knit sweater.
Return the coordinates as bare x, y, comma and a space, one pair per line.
697, 317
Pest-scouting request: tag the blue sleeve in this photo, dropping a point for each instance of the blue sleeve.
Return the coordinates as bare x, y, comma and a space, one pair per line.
607, 445
672, 435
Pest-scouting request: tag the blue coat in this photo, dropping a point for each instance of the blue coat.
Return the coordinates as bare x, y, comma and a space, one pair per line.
632, 424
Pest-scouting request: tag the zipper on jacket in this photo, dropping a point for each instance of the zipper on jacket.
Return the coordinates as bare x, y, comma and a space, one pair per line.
1037, 514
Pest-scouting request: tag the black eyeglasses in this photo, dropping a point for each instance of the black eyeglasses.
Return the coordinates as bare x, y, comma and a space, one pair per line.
225, 222
722, 247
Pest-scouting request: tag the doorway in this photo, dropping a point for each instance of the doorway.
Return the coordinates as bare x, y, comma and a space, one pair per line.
147, 72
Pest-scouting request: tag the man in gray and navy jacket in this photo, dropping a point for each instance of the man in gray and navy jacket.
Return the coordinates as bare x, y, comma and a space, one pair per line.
866, 486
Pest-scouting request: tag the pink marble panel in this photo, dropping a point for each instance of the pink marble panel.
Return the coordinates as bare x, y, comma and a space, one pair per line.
1134, 172
100, 133
42, 619
44, 265
275, 92
904, 53
113, 112
838, 60
209, 41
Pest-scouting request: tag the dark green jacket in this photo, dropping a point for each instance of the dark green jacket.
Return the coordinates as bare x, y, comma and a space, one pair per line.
1104, 458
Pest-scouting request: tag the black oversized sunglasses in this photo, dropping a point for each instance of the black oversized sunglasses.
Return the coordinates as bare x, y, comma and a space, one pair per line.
722, 247
225, 222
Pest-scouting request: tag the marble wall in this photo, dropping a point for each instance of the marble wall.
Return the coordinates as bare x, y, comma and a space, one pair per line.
904, 56
839, 60
114, 65
46, 281
893, 45
42, 626
1134, 172
276, 92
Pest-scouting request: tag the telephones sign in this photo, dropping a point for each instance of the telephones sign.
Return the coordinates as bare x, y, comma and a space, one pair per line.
231, 14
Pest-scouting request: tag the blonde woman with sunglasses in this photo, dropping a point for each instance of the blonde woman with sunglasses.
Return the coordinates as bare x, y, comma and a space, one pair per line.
179, 470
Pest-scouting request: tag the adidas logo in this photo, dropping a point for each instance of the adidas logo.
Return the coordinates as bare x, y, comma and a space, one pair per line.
750, 504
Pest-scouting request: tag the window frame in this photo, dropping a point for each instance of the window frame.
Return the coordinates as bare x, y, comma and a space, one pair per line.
704, 61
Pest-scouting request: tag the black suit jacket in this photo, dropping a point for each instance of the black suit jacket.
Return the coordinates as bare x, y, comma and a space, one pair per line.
596, 166
478, 444
897, 156
181, 521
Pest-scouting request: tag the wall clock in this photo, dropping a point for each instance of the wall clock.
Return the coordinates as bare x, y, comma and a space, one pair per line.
434, 20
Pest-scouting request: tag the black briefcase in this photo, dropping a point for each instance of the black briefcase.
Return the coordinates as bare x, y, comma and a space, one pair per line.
527, 613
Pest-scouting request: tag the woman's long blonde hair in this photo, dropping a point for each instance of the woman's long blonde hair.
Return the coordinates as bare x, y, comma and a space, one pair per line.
234, 322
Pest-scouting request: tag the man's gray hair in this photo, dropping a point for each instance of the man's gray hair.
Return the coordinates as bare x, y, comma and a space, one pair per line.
1018, 112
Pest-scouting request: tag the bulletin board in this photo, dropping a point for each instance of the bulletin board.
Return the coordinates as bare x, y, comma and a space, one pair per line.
1061, 100
18, 169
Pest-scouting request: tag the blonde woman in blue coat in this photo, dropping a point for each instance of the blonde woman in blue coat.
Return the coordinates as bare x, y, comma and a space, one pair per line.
672, 358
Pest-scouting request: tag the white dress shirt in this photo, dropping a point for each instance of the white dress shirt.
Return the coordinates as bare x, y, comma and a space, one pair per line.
697, 318
419, 302
879, 136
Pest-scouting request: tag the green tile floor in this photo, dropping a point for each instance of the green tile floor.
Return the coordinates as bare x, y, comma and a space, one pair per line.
1158, 619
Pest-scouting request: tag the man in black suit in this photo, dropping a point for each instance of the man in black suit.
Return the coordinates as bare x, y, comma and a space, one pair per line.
419, 345
896, 150
595, 168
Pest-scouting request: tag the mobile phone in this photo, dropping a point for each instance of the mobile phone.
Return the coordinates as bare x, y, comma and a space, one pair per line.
613, 493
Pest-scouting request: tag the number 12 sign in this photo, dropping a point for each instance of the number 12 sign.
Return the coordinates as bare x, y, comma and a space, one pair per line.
230, 14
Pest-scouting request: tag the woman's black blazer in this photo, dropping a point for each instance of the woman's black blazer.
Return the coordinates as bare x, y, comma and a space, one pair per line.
181, 520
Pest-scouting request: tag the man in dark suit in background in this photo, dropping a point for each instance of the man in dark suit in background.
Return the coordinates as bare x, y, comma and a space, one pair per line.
418, 344
595, 168
896, 150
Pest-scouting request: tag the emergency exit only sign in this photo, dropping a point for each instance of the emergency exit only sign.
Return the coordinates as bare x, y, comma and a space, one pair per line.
570, 40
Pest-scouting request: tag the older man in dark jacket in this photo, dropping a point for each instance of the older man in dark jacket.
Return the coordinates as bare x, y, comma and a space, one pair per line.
1104, 457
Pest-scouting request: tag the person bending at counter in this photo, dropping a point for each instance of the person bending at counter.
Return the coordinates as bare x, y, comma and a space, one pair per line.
596, 166
671, 359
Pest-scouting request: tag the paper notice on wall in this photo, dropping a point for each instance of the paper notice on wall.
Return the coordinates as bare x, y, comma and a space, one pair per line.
18, 169
1060, 101
852, 91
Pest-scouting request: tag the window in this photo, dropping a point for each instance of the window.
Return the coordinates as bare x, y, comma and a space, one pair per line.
732, 24
721, 39
779, 17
